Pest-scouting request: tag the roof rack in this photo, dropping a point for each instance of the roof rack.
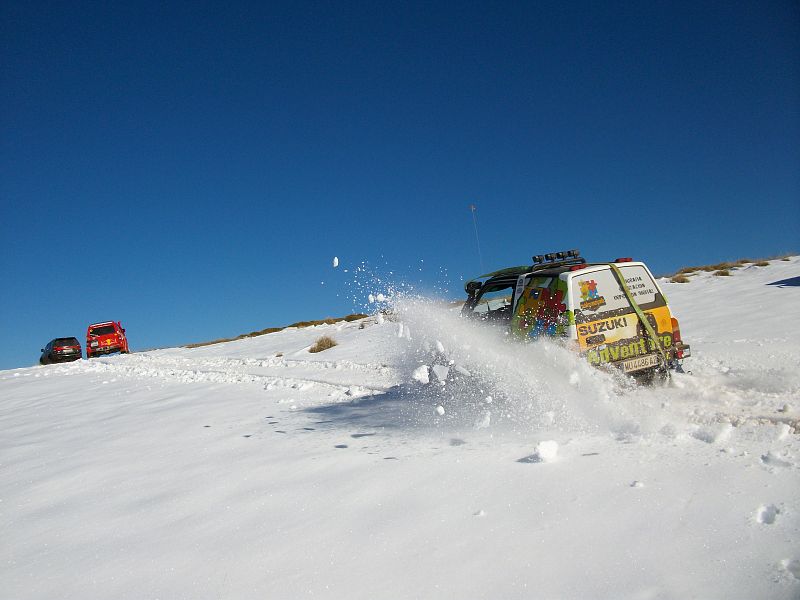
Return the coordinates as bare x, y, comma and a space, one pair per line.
557, 259
541, 262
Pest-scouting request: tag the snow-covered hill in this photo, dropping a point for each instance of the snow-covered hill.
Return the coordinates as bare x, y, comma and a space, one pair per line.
254, 469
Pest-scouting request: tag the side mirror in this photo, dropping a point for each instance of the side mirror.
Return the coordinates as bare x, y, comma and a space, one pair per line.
123, 330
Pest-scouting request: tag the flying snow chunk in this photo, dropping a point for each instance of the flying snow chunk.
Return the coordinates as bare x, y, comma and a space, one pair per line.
421, 374
440, 410
440, 346
380, 298
462, 370
441, 372
546, 451
371, 299
335, 261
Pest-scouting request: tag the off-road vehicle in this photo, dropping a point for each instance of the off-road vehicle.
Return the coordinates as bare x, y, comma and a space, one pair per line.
614, 312
105, 338
60, 350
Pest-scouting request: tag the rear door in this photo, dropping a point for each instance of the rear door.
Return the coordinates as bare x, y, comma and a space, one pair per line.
608, 329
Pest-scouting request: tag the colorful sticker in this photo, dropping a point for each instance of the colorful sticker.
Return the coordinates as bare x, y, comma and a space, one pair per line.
624, 336
590, 297
540, 310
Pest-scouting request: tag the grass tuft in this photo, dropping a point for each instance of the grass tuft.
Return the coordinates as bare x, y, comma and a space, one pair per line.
727, 266
722, 273
680, 279
322, 343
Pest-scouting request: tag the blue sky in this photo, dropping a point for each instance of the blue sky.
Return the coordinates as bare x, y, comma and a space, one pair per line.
191, 169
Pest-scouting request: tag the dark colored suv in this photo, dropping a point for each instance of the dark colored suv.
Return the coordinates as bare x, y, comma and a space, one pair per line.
61, 350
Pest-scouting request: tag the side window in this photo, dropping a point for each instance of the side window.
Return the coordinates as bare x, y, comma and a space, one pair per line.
540, 309
495, 302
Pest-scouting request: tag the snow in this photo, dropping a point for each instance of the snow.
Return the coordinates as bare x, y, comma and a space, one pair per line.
335, 261
421, 374
546, 451
256, 469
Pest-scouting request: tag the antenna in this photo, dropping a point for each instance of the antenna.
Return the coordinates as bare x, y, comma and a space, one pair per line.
473, 208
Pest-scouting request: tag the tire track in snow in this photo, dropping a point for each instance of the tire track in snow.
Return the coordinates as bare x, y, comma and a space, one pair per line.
230, 371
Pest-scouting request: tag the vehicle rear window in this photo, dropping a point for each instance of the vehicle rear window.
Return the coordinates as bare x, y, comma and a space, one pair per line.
641, 284
597, 293
102, 330
66, 342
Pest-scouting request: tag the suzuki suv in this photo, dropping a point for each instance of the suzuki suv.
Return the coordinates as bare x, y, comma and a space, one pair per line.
105, 338
614, 312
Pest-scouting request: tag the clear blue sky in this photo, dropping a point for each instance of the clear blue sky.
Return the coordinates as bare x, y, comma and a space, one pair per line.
192, 168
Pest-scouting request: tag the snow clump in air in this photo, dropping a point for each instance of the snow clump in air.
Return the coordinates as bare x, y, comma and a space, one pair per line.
546, 451
421, 374
335, 261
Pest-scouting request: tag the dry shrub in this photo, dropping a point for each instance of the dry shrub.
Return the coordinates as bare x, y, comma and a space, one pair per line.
355, 317
723, 266
322, 343
680, 279
329, 321
722, 273
348, 318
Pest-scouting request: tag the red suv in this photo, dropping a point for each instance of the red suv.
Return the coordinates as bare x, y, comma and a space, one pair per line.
105, 338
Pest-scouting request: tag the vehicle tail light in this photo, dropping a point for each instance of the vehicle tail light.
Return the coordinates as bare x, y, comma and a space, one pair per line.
624, 259
676, 338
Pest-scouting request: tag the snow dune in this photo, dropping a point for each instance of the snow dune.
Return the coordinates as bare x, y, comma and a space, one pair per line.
421, 457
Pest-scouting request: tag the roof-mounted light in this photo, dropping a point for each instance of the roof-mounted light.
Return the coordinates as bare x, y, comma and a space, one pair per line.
563, 255
625, 259
578, 267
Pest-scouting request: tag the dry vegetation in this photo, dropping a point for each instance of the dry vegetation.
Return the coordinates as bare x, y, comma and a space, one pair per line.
722, 269
323, 343
330, 321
